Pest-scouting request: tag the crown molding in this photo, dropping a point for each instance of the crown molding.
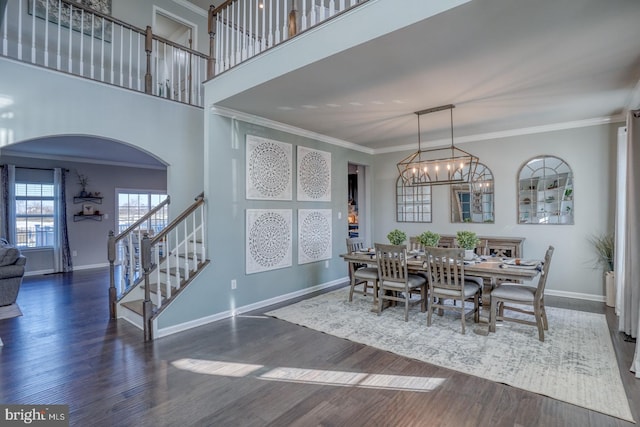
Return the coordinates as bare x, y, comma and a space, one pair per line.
507, 133
8, 152
250, 118
634, 98
192, 7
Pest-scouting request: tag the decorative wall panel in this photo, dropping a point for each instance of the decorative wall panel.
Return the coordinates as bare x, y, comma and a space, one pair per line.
269, 169
314, 175
314, 235
269, 237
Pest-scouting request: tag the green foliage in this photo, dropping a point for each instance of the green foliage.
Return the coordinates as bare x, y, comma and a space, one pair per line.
467, 239
429, 238
397, 237
604, 244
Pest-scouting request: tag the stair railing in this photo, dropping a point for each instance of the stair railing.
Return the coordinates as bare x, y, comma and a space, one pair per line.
66, 36
179, 245
124, 251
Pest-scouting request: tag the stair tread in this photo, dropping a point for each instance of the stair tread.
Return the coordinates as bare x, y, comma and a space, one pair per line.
136, 306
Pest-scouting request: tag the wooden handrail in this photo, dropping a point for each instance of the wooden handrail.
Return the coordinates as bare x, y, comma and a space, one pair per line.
144, 218
199, 201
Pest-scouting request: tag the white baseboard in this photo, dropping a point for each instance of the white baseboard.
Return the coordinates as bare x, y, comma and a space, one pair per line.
38, 272
158, 333
90, 266
575, 295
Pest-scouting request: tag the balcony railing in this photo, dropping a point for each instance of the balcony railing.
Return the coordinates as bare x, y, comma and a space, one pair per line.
72, 38
241, 29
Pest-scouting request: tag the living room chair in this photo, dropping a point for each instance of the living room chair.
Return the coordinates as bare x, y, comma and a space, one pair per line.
396, 284
523, 295
445, 272
12, 267
361, 274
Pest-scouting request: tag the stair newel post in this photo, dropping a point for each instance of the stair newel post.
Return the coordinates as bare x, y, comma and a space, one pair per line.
111, 255
148, 43
211, 60
147, 308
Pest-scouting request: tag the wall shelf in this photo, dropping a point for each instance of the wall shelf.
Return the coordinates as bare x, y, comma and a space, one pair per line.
93, 199
94, 217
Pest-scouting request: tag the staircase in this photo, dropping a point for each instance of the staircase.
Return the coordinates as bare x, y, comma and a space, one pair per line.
148, 272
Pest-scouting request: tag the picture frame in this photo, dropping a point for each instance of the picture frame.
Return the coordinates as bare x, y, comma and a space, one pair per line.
50, 10
87, 209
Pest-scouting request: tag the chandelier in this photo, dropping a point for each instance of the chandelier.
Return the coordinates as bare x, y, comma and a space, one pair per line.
447, 165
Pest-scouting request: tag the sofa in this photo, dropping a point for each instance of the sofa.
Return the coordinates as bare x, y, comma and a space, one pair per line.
12, 264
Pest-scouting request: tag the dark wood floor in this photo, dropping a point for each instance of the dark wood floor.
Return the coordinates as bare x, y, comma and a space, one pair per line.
65, 350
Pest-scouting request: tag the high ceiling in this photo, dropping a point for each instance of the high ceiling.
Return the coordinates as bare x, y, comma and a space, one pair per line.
505, 64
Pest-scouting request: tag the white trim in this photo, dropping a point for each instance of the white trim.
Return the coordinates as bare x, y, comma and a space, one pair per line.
9, 152
575, 295
508, 133
38, 272
159, 333
192, 7
90, 266
272, 124
194, 27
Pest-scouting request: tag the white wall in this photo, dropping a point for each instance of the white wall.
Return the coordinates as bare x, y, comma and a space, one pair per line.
47, 103
590, 153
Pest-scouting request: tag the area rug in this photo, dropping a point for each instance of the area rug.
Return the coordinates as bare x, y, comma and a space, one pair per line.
576, 363
10, 311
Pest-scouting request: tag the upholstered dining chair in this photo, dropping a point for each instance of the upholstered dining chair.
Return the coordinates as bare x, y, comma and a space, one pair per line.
361, 274
445, 271
522, 295
396, 283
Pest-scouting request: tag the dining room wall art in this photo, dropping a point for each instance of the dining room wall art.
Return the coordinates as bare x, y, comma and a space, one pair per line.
314, 175
314, 235
269, 239
268, 169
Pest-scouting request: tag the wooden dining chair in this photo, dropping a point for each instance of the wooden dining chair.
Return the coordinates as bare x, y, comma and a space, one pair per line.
445, 271
361, 274
396, 283
523, 295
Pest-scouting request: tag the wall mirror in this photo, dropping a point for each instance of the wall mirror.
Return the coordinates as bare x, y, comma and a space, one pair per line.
473, 201
413, 203
545, 191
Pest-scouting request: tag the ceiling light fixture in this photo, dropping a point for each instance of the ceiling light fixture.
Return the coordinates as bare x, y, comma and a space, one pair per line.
447, 165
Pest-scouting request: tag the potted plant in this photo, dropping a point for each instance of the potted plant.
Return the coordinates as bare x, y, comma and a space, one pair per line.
467, 240
83, 180
429, 238
397, 237
604, 245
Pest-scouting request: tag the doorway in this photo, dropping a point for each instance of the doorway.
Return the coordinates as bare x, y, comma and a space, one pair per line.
356, 201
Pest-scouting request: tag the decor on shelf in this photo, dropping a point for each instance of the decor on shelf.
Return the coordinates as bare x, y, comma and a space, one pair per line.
83, 180
467, 240
87, 209
429, 238
397, 237
435, 166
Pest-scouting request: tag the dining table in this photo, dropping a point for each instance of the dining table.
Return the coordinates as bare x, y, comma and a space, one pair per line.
491, 269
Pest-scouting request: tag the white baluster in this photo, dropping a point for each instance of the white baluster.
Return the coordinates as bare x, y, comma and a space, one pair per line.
46, 36
332, 7
111, 61
139, 73
130, 58
203, 246
285, 22
5, 41
19, 29
59, 54
33, 33
270, 37
341, 5
121, 53
93, 17
81, 42
102, 50
303, 19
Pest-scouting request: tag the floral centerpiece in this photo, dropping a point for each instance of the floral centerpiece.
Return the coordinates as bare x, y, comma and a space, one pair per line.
429, 239
467, 240
397, 237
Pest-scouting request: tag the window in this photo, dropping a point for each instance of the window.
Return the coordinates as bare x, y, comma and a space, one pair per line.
133, 205
35, 210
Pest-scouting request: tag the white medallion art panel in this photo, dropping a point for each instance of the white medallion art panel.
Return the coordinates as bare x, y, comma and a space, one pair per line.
314, 175
269, 239
314, 235
269, 166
